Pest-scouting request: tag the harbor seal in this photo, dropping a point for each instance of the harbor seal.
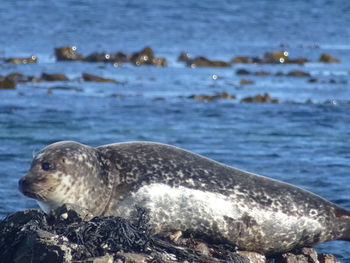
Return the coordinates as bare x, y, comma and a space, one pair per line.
183, 191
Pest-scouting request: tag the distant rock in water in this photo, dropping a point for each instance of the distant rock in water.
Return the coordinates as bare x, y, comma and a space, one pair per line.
90, 77
260, 99
201, 61
53, 77
72, 234
32, 59
7, 84
326, 58
207, 98
275, 57
68, 53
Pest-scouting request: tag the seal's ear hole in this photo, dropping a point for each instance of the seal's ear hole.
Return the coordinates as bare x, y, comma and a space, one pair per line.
63, 160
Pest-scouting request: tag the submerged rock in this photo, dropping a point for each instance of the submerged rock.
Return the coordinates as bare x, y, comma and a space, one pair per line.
326, 58
207, 98
246, 82
265, 98
242, 60
53, 77
32, 59
298, 73
7, 84
90, 77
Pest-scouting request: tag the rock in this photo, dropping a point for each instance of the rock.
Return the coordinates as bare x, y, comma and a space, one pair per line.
103, 259
242, 60
7, 84
313, 80
242, 71
119, 58
67, 53
32, 59
70, 234
300, 61
144, 57
246, 82
262, 73
278, 57
298, 73
279, 73
253, 256
90, 77
53, 77
18, 77
326, 58
204, 62
310, 253
260, 99
292, 258
160, 62
98, 57
327, 258
207, 98
184, 57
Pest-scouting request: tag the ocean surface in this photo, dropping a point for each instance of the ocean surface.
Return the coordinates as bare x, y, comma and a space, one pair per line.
297, 141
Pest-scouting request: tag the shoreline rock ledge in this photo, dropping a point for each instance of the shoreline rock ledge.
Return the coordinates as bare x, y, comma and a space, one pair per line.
71, 234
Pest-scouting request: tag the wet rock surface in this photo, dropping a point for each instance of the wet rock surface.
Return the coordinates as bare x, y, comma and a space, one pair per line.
72, 234
265, 98
94, 78
32, 59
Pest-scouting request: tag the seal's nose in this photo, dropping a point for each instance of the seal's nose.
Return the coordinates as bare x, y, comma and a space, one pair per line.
23, 185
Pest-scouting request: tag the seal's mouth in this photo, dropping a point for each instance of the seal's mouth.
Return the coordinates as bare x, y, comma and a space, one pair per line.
30, 189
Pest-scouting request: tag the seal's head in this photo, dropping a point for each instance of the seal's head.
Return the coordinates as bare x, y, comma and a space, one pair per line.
68, 172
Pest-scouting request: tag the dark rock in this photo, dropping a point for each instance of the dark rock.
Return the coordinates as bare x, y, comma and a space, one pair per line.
98, 57
262, 73
260, 99
184, 57
326, 58
242, 71
300, 61
246, 82
313, 80
52, 89
70, 234
279, 73
146, 57
67, 53
7, 84
207, 98
298, 73
242, 60
90, 77
119, 58
53, 77
32, 59
204, 62
18, 77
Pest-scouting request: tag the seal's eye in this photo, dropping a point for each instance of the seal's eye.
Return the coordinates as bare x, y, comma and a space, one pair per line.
46, 166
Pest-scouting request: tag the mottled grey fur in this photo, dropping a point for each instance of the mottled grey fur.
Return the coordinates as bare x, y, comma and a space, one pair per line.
263, 214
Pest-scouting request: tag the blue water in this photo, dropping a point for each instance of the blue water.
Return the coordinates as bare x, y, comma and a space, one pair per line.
300, 143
